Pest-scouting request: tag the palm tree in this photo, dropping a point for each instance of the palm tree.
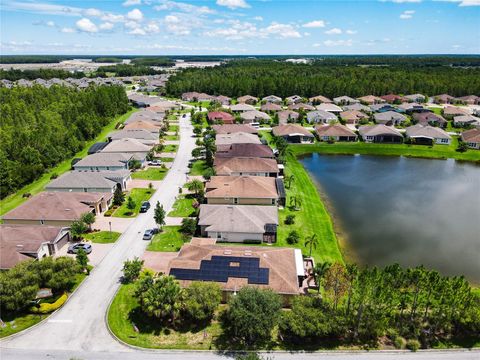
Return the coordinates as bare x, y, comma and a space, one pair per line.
311, 241
195, 185
319, 272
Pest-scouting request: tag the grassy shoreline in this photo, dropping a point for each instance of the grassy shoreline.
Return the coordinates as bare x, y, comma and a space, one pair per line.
12, 201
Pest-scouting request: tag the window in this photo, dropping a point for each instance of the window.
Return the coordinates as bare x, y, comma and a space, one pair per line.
273, 201
219, 235
235, 201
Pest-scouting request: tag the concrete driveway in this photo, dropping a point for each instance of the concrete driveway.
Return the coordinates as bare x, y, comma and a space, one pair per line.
118, 224
99, 251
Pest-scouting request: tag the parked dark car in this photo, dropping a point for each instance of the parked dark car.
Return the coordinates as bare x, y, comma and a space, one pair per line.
145, 206
73, 249
148, 234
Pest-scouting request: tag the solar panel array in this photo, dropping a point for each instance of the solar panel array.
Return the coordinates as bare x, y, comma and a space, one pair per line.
220, 268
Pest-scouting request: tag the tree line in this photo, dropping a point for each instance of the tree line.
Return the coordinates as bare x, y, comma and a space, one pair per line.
126, 70
265, 77
41, 127
43, 73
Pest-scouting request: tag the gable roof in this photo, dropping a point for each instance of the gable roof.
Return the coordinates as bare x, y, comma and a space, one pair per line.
344, 99
371, 99
334, 130
104, 159
427, 131
234, 128
237, 218
291, 130
126, 145
299, 106
471, 136
63, 206
241, 107
220, 115
379, 129
353, 115
329, 107
140, 134
226, 166
321, 115
237, 138
88, 179
285, 114
241, 187
244, 98
270, 107
246, 150
320, 98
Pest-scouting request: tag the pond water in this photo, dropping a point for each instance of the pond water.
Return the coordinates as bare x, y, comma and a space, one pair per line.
409, 211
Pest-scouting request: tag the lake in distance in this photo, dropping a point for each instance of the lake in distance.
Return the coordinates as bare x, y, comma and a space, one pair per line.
403, 210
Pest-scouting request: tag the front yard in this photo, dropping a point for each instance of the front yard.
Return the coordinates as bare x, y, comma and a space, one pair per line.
152, 173
199, 168
102, 237
138, 196
169, 239
183, 207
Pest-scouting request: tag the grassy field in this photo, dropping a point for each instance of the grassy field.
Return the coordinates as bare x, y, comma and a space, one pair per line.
170, 239
420, 151
12, 201
124, 312
183, 207
172, 137
170, 148
198, 168
311, 218
138, 195
102, 237
153, 173
173, 128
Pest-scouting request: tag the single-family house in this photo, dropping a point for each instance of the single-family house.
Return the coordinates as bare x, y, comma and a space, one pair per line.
239, 108
469, 100
146, 115
270, 107
239, 223
287, 116
294, 99
357, 107
247, 99
104, 161
143, 125
273, 99
223, 100
332, 108
220, 116
279, 269
345, 100
353, 116
301, 106
381, 108
249, 166
25, 242
104, 181
234, 128
443, 99
370, 100
195, 96
249, 117
128, 146
246, 150
449, 112
389, 118
236, 138
463, 120
241, 190
144, 136
416, 98
427, 135
320, 116
315, 100
392, 98
337, 132
57, 208
411, 108
471, 138
429, 118
293, 133
380, 134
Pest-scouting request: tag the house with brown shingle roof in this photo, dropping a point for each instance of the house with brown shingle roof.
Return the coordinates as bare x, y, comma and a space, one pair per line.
337, 132
251, 166
239, 108
220, 116
270, 107
370, 100
392, 98
427, 135
315, 100
234, 128
239, 223
223, 141
249, 117
287, 116
26, 242
469, 99
143, 125
233, 267
247, 99
429, 118
241, 190
450, 112
246, 150
57, 208
472, 138
293, 133
301, 106
380, 134
353, 116
273, 99
443, 99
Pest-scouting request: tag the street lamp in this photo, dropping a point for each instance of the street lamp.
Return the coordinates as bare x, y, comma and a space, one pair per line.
110, 224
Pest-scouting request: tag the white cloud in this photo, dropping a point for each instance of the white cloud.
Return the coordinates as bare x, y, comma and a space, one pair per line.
282, 30
177, 26
43, 8
50, 23
109, 17
330, 43
131, 24
402, 1
334, 31
239, 30
67, 30
86, 25
463, 2
137, 31
93, 12
188, 8
233, 4
135, 15
351, 32
106, 26
258, 18
315, 24
152, 28
407, 14
132, 2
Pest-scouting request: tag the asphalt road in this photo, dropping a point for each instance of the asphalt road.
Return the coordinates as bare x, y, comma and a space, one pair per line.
79, 325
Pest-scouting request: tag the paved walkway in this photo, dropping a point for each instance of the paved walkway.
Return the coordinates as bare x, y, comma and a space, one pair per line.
80, 324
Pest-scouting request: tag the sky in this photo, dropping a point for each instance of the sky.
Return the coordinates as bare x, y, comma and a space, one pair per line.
245, 27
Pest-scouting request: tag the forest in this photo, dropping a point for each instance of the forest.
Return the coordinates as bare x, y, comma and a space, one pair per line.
32, 74
126, 70
40, 127
153, 61
322, 77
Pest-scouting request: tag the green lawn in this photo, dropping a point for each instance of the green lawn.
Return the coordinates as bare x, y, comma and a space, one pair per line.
183, 207
170, 239
170, 148
421, 151
267, 135
138, 195
166, 159
311, 218
171, 137
102, 237
173, 128
12, 201
198, 168
153, 173
124, 312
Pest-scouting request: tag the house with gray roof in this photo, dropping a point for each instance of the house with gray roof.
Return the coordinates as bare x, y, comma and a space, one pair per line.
332, 108
287, 116
90, 181
239, 223
357, 107
127, 145
427, 135
416, 98
389, 118
144, 136
463, 120
249, 117
273, 99
239, 108
104, 161
380, 134
320, 116
294, 99
345, 100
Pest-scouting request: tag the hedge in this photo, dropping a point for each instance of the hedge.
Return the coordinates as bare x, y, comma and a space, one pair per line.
46, 308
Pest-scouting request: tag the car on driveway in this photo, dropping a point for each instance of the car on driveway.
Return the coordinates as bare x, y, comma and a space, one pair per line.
145, 206
148, 234
73, 249
155, 163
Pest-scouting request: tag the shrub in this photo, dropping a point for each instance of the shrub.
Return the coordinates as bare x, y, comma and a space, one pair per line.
290, 219
189, 226
53, 176
47, 308
293, 237
399, 342
413, 345
26, 195
131, 270
200, 300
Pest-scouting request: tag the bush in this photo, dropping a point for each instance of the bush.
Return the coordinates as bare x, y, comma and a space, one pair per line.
109, 212
201, 299
26, 195
399, 342
189, 226
131, 270
293, 237
413, 345
290, 219
47, 308
53, 176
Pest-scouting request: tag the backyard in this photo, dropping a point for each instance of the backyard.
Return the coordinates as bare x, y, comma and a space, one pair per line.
138, 195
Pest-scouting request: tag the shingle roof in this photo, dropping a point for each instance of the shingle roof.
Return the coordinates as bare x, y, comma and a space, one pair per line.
226, 166
379, 129
303, 106
329, 107
126, 145
334, 130
291, 130
241, 107
237, 138
254, 115
320, 115
426, 131
234, 128
241, 187
353, 115
246, 150
244, 98
471, 136
453, 110
142, 125
104, 159
270, 107
320, 98
237, 218
285, 114
88, 179
220, 115
140, 134
389, 115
